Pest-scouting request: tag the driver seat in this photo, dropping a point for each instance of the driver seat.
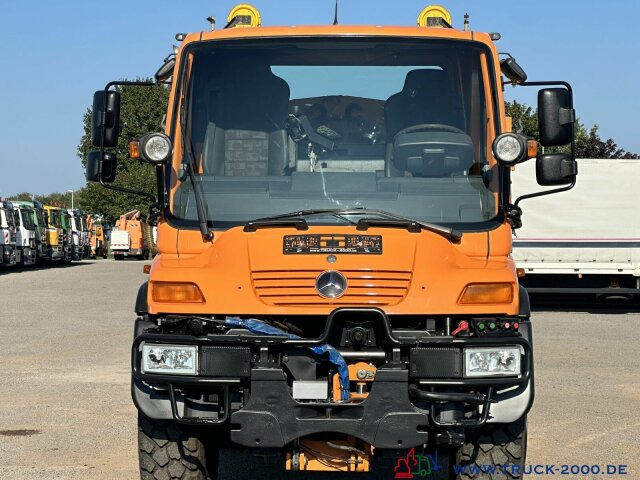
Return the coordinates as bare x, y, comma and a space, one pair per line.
427, 97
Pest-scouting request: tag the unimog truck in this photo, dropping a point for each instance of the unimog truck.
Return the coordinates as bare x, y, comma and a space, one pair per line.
333, 289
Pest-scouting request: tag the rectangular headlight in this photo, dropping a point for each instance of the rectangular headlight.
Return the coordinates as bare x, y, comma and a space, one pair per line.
170, 359
492, 361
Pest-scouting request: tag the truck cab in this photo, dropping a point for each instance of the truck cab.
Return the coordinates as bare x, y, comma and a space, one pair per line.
9, 254
333, 288
67, 235
38, 218
97, 239
55, 235
25, 234
79, 235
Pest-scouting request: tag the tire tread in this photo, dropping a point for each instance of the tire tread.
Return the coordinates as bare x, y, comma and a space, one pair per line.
168, 452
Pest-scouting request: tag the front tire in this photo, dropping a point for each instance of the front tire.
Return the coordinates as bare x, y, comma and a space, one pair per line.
166, 450
494, 445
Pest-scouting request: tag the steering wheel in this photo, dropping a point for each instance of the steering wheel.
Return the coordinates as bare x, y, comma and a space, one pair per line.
430, 126
295, 128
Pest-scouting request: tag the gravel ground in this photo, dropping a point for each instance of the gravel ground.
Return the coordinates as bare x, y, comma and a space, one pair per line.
66, 412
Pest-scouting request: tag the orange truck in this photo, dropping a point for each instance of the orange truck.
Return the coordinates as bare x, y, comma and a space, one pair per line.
334, 289
97, 239
128, 238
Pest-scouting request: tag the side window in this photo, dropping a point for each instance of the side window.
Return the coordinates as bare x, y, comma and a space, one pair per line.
9, 216
16, 218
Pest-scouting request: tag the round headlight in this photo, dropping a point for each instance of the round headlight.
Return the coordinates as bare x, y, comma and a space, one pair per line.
156, 147
509, 148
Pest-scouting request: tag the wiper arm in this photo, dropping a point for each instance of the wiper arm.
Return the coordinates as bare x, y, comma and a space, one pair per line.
394, 221
298, 224
187, 148
317, 211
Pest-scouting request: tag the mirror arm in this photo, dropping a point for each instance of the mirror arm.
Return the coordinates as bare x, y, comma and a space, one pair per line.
103, 130
545, 192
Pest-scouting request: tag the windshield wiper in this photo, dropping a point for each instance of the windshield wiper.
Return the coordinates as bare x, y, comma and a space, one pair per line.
187, 148
388, 219
394, 221
298, 224
291, 218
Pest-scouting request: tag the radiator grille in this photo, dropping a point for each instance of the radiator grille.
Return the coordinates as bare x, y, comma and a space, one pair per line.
364, 287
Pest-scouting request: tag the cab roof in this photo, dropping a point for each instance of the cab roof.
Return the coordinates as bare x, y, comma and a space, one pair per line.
339, 31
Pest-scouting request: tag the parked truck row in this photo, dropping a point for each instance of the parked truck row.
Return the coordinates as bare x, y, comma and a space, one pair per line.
32, 233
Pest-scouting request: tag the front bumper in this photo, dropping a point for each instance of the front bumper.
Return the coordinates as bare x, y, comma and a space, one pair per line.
388, 418
28, 256
8, 255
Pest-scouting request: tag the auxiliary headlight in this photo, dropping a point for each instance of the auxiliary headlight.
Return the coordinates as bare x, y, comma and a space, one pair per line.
510, 148
156, 148
492, 361
169, 359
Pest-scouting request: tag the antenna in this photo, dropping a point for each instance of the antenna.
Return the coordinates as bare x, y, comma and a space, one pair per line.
335, 18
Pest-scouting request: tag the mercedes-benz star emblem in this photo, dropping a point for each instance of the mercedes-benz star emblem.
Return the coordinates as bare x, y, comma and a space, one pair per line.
331, 284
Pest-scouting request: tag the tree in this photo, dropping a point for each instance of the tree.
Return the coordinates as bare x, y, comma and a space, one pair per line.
588, 142
592, 146
55, 198
524, 119
142, 111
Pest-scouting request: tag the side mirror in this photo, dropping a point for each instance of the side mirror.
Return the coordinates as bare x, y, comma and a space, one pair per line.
166, 70
101, 167
556, 117
556, 169
106, 112
512, 70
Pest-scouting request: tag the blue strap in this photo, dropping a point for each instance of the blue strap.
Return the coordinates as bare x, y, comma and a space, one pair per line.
258, 326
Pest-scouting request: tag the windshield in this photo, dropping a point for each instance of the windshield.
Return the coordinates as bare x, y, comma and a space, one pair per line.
27, 219
40, 218
54, 218
282, 126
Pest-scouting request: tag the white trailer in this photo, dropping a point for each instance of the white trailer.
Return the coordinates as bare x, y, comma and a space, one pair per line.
586, 240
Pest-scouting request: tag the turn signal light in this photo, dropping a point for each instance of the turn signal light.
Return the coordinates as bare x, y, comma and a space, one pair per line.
173, 292
134, 150
482, 293
532, 148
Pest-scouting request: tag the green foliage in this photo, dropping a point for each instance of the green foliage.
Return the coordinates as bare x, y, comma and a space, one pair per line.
588, 142
142, 110
590, 145
524, 118
56, 198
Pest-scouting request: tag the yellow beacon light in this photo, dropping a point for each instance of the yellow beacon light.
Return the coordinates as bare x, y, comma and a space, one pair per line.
434, 16
244, 15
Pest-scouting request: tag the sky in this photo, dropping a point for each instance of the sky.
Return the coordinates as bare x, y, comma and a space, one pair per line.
57, 53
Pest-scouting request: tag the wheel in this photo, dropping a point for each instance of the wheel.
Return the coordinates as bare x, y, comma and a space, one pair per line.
166, 451
494, 446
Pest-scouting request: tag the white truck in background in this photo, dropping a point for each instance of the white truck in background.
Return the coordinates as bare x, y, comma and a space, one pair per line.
25, 234
586, 240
